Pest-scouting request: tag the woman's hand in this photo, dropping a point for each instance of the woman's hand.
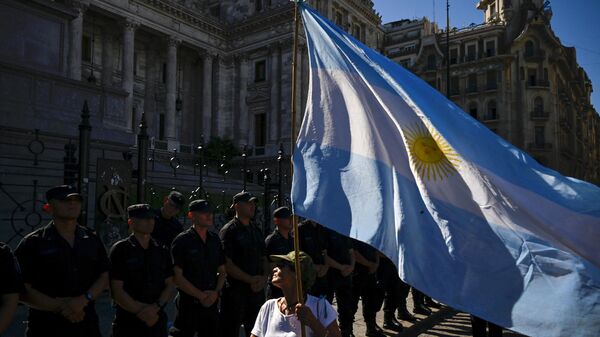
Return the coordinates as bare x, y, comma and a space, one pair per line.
305, 315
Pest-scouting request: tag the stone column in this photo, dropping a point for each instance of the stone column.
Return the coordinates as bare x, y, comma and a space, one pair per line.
244, 122
275, 78
129, 28
207, 95
171, 92
107, 58
75, 38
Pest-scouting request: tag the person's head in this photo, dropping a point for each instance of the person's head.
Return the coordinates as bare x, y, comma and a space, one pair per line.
284, 273
173, 204
282, 218
141, 218
201, 213
244, 205
63, 202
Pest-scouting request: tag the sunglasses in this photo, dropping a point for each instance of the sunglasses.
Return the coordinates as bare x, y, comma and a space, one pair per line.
282, 265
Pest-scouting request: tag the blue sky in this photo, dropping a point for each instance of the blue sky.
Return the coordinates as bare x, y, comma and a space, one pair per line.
575, 22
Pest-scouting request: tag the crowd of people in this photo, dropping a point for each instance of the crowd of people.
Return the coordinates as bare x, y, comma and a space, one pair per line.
218, 282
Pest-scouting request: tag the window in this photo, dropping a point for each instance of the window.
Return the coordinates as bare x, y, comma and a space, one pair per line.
356, 31
471, 53
473, 110
491, 80
493, 9
490, 48
161, 126
538, 106
215, 11
454, 90
454, 56
258, 5
260, 133
86, 48
260, 71
135, 63
540, 140
492, 114
431, 62
339, 19
405, 63
164, 73
532, 76
472, 83
529, 48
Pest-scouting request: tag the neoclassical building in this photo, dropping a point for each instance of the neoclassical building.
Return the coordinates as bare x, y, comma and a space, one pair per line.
196, 69
513, 74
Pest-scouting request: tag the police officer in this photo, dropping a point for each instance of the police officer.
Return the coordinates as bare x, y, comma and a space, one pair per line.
247, 268
419, 306
10, 286
313, 241
391, 284
280, 242
141, 279
340, 258
199, 263
167, 227
365, 286
64, 268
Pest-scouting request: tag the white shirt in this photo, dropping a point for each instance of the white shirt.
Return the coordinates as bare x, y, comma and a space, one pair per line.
271, 322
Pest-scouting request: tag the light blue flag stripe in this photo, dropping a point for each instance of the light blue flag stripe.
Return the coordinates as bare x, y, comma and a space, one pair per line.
498, 235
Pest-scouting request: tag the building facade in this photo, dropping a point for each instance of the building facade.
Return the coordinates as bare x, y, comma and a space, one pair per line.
513, 74
196, 70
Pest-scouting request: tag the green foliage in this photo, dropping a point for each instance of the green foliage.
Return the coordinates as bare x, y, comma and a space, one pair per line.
220, 151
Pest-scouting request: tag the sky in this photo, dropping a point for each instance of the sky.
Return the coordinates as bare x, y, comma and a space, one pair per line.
575, 22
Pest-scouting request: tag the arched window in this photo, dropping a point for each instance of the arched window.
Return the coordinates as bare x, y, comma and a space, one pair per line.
529, 48
491, 111
473, 109
538, 106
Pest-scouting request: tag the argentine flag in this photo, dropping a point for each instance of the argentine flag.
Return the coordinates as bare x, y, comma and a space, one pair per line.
467, 218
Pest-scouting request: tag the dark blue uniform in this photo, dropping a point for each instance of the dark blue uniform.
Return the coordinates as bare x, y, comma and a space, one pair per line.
313, 240
50, 265
199, 261
11, 281
338, 248
143, 272
245, 246
165, 230
366, 286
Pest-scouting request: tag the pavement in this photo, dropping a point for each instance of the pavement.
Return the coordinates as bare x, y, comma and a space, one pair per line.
443, 322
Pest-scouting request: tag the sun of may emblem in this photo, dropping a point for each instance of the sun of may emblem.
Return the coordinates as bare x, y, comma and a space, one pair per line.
433, 158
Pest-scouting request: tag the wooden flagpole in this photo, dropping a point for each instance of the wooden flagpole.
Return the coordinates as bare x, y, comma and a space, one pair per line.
299, 291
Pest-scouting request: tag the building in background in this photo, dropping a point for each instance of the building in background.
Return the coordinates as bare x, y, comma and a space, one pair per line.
196, 69
513, 74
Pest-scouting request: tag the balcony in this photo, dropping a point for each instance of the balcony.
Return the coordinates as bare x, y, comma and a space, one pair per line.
471, 89
538, 84
490, 86
470, 58
538, 115
535, 146
534, 56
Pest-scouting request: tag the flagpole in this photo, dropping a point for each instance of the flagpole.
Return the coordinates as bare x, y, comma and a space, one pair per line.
448, 49
299, 292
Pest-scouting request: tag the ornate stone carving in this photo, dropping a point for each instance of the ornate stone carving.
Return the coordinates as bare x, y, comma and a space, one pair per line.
258, 93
